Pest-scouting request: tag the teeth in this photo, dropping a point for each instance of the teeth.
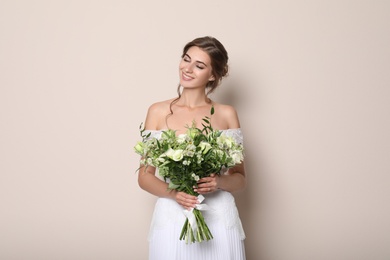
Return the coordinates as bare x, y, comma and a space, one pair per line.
186, 77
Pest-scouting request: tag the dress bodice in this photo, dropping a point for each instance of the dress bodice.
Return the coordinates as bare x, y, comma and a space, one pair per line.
235, 133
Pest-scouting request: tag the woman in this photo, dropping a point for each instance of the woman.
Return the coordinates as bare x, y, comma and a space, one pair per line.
202, 67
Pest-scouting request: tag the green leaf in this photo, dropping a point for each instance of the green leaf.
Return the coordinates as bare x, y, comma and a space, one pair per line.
172, 186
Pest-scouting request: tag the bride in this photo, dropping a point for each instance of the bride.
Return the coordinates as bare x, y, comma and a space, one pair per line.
201, 69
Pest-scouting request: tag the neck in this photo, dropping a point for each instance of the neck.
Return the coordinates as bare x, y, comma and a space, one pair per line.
193, 98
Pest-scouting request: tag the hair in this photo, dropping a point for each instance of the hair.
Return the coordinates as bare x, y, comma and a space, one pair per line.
219, 62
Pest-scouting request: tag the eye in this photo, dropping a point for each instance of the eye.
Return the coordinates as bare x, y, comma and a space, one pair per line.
199, 67
186, 59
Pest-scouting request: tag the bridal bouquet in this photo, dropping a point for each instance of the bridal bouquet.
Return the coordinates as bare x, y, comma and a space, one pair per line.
184, 159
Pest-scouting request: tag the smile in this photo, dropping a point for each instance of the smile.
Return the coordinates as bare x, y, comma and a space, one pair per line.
186, 77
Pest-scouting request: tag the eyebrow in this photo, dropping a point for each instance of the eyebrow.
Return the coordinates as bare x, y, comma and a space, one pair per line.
197, 60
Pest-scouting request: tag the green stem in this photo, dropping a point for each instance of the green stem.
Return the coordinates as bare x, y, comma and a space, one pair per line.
202, 232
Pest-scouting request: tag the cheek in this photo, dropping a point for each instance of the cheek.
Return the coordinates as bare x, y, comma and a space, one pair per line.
182, 65
207, 75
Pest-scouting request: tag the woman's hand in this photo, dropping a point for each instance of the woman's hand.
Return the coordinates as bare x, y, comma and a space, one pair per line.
207, 184
186, 200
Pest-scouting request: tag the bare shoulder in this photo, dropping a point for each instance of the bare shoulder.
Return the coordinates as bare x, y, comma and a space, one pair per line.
226, 116
157, 112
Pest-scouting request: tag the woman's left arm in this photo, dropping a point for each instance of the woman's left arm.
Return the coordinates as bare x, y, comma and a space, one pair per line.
234, 179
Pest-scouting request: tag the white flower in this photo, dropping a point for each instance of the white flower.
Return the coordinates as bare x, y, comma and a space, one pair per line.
196, 177
139, 148
190, 150
149, 161
192, 132
181, 138
161, 159
204, 146
175, 155
237, 157
189, 153
225, 141
191, 147
219, 153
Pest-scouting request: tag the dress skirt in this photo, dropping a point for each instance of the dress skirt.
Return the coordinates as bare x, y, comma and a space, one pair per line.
222, 219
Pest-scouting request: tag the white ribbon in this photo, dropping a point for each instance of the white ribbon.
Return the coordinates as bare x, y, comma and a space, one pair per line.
190, 214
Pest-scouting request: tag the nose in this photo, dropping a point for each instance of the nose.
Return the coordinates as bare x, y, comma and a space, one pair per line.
188, 68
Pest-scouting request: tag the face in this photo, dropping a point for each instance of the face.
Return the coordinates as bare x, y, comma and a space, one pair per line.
195, 68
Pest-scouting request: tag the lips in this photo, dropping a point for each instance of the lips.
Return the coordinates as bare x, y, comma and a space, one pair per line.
186, 77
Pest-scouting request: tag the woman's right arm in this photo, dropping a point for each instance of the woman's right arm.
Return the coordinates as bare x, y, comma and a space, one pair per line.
149, 182
147, 178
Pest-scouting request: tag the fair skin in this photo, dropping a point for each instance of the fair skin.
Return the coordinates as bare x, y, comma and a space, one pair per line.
195, 71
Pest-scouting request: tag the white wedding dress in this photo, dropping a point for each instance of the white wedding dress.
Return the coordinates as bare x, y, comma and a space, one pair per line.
222, 219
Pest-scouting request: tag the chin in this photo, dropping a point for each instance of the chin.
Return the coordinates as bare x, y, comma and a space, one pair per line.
185, 84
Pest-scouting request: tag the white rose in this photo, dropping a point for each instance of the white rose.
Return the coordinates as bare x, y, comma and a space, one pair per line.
219, 153
225, 141
237, 157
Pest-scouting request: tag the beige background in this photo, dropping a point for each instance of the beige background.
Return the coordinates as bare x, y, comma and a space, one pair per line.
310, 81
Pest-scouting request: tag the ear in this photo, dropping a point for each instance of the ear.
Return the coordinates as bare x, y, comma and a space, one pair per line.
212, 78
